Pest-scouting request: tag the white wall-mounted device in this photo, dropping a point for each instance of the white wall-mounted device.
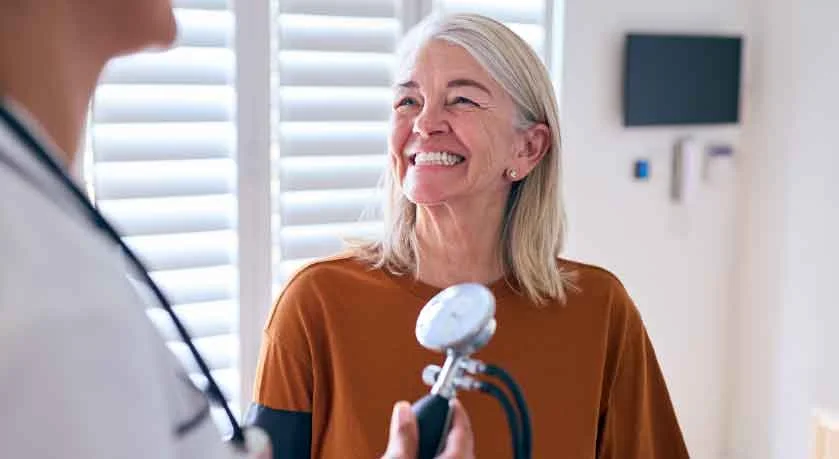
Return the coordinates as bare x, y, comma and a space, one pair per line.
687, 170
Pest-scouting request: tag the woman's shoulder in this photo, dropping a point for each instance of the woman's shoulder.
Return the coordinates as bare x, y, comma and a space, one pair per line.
595, 286
584, 274
331, 268
329, 276
319, 281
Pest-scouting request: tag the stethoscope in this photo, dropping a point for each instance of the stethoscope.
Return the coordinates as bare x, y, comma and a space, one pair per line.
212, 390
459, 321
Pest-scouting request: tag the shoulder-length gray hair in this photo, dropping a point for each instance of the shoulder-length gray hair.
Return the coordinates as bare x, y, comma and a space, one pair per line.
534, 220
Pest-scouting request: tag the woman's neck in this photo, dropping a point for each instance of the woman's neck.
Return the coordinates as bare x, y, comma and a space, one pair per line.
459, 244
50, 80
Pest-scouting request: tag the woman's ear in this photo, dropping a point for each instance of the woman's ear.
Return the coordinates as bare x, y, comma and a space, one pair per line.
536, 143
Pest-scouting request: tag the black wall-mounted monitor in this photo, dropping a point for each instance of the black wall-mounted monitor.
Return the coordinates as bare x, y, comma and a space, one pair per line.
681, 79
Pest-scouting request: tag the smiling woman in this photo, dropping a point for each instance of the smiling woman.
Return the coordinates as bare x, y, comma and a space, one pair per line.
471, 102
473, 192
442, 117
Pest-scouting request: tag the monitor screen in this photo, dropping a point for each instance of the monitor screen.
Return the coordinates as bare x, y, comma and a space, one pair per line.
681, 79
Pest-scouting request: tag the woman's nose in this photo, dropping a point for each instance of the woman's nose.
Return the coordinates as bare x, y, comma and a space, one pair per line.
430, 121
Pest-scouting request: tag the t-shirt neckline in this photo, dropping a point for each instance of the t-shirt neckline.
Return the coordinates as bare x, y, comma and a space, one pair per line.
500, 288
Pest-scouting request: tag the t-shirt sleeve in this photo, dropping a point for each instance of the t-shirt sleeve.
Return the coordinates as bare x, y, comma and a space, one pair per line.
283, 378
639, 420
284, 385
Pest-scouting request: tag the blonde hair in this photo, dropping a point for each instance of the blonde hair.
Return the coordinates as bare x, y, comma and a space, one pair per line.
534, 220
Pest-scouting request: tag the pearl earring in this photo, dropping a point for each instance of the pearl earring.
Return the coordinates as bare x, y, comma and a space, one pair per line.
513, 174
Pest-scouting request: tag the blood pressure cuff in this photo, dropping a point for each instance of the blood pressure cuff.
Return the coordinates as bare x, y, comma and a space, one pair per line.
290, 431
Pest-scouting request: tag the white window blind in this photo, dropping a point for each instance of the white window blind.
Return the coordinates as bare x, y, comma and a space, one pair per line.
163, 136
332, 106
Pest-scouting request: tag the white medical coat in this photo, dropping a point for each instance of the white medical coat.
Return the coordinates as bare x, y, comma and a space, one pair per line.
83, 372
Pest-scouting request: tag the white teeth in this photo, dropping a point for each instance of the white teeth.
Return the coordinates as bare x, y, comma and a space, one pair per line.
437, 158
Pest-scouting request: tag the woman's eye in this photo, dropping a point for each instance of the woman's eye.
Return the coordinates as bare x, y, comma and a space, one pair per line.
405, 102
463, 100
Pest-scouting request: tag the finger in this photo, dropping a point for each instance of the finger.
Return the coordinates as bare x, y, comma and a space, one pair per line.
258, 444
404, 434
460, 443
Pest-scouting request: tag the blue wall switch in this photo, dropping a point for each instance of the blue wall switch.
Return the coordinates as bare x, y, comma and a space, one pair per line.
641, 170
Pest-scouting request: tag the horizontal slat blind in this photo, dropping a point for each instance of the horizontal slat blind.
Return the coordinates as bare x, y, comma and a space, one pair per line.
163, 136
333, 102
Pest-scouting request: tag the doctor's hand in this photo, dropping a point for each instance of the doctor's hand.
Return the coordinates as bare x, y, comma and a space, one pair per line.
257, 445
404, 434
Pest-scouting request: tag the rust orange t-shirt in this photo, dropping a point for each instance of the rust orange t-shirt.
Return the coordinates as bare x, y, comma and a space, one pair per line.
339, 349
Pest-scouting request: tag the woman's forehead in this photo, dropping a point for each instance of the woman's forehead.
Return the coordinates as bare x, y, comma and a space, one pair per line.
442, 63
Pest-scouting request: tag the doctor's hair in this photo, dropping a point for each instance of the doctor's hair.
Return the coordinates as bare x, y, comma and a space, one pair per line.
533, 230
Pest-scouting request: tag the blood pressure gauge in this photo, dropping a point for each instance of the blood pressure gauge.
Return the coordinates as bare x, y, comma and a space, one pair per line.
458, 322
460, 319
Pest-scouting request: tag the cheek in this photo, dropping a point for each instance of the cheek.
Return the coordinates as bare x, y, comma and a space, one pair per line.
500, 140
400, 130
486, 139
400, 133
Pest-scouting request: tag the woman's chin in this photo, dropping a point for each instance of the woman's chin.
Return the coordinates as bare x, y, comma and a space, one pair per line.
427, 189
426, 197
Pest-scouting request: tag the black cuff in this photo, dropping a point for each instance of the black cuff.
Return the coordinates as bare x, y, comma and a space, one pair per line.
290, 431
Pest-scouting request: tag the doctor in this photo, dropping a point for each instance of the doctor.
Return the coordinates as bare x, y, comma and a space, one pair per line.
83, 373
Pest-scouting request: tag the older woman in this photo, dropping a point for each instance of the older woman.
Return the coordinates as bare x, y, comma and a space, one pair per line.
474, 196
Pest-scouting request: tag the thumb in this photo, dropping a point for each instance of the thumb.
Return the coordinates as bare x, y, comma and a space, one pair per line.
403, 438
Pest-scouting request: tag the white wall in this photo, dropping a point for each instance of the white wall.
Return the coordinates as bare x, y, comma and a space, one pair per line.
677, 261
788, 317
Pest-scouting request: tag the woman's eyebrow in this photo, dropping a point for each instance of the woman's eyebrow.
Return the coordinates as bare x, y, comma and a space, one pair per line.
466, 82
457, 83
411, 84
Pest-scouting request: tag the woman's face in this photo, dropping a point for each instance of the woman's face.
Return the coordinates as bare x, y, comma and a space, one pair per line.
117, 27
452, 136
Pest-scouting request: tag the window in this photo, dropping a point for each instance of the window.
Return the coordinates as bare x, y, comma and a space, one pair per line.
162, 135
333, 103
227, 167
